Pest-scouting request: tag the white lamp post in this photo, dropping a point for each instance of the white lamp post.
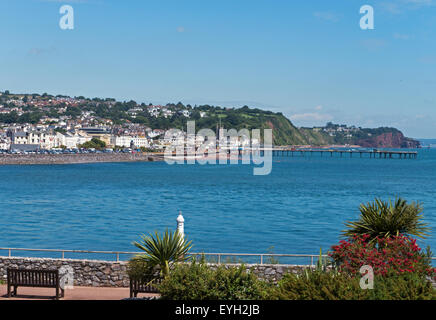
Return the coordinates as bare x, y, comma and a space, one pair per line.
181, 224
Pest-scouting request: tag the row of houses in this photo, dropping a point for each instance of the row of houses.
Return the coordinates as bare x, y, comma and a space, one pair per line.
48, 139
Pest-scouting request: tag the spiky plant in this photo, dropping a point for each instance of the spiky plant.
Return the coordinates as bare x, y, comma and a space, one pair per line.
385, 219
163, 250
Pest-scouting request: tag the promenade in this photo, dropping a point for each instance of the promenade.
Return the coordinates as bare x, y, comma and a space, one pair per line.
27, 159
77, 293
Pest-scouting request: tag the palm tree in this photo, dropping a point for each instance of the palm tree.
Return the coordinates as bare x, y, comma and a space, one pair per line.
384, 219
163, 250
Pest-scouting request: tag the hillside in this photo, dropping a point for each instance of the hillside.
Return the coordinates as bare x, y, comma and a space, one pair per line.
284, 132
49, 110
382, 137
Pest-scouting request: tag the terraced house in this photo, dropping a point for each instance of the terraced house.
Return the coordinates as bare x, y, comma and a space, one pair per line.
45, 139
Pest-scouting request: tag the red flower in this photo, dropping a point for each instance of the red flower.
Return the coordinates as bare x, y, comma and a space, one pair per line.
398, 254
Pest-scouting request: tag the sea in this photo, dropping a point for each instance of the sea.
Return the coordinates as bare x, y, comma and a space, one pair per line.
299, 208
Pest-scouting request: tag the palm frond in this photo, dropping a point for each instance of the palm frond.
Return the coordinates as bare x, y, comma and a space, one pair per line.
385, 219
163, 250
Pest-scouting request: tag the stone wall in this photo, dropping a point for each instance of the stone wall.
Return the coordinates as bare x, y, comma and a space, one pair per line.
114, 274
75, 158
86, 272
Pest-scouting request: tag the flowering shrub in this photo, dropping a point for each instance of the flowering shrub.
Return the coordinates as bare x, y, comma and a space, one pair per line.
387, 256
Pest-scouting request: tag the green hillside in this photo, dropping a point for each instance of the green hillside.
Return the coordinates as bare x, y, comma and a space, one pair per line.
316, 138
284, 132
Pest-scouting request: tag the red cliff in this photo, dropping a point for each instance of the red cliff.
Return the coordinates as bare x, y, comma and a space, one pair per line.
388, 140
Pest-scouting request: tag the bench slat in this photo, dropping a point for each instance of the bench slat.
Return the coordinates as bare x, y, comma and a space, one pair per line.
142, 287
33, 278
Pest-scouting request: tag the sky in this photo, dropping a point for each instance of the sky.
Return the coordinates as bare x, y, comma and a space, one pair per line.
309, 59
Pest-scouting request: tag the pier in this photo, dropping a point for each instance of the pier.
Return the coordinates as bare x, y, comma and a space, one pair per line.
295, 152
381, 154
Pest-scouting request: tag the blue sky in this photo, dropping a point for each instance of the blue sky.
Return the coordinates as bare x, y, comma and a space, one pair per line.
307, 59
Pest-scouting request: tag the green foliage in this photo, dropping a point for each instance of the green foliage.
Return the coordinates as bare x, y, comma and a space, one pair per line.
318, 285
74, 112
60, 130
197, 281
403, 287
13, 117
324, 262
140, 270
385, 219
271, 259
366, 137
94, 143
163, 251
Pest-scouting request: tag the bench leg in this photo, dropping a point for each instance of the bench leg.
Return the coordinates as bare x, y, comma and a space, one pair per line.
9, 291
15, 291
62, 293
57, 293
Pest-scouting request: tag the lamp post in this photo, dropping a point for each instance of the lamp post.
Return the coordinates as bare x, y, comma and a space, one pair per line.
181, 224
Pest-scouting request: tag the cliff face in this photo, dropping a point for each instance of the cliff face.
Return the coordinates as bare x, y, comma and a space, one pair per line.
388, 140
284, 132
383, 137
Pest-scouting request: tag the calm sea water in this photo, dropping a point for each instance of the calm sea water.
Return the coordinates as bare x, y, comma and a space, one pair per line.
299, 208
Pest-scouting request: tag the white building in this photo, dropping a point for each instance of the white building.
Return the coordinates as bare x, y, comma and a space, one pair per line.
185, 113
155, 133
71, 140
126, 141
19, 137
45, 139
174, 137
5, 143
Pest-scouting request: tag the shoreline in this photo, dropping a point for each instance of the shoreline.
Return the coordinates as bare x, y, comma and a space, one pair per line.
82, 158
44, 159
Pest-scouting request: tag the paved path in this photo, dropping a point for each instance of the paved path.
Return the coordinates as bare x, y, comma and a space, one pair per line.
78, 293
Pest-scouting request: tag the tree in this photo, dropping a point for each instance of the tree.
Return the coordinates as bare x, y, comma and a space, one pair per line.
163, 250
73, 112
93, 144
385, 219
60, 130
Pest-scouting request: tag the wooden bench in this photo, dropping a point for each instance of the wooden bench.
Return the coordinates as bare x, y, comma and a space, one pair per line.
34, 278
144, 286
